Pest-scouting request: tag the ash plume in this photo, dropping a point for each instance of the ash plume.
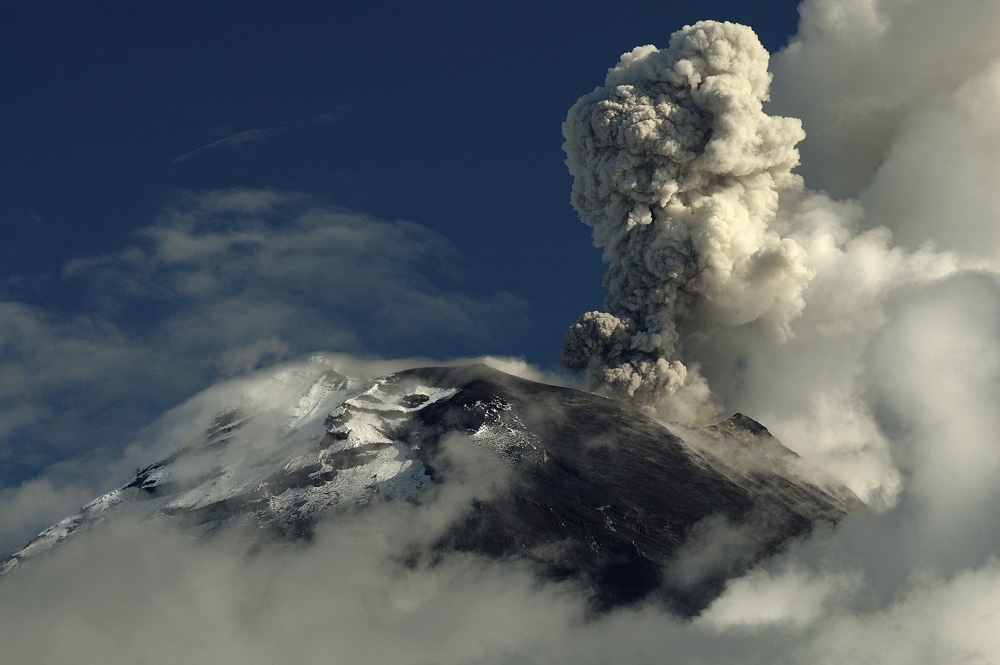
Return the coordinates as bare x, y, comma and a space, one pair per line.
679, 172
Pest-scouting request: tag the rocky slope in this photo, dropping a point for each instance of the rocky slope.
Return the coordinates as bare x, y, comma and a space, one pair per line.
583, 486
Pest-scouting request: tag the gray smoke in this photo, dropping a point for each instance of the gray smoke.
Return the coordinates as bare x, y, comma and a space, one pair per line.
679, 171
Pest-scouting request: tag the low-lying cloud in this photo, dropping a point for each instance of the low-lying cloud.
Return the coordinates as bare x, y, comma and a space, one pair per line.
219, 284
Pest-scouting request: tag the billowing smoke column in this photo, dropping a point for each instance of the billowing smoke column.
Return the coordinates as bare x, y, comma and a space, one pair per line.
679, 171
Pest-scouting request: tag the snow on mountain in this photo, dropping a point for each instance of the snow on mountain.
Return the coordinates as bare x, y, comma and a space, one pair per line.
589, 487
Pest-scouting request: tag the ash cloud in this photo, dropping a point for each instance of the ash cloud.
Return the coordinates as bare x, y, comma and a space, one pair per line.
679, 172
886, 375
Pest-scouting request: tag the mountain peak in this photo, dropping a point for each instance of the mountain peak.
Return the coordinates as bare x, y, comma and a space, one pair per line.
580, 485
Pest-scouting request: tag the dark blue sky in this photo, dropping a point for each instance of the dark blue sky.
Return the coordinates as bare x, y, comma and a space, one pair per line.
444, 114
121, 123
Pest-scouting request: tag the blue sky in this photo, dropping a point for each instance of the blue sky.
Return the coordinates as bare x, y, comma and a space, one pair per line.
444, 114
125, 125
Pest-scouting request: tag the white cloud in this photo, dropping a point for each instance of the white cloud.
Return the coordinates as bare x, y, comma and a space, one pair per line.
242, 266
35, 502
939, 179
859, 68
231, 142
254, 136
221, 283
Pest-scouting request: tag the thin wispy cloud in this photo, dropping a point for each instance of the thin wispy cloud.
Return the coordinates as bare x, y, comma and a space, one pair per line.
22, 218
256, 136
232, 142
220, 283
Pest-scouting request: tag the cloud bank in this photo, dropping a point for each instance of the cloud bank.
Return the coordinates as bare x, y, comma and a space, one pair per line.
218, 284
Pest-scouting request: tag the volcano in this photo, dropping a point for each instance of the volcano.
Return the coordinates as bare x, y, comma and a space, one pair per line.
583, 487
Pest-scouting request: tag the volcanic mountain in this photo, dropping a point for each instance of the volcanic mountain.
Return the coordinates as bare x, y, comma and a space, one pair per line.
584, 487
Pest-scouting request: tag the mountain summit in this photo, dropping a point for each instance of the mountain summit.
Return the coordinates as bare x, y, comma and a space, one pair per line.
584, 487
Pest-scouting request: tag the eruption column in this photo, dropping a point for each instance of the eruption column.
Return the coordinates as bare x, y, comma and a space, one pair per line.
679, 172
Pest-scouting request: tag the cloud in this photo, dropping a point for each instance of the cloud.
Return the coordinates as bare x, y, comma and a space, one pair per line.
679, 172
266, 350
218, 284
232, 142
933, 389
938, 181
34, 502
914, 583
257, 136
342, 600
22, 218
858, 69
54, 383
887, 377
246, 265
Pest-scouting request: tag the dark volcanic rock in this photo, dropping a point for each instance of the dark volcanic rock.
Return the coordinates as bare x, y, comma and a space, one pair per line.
592, 489
615, 493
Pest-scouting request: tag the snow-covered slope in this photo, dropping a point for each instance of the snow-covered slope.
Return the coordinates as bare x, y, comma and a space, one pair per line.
589, 488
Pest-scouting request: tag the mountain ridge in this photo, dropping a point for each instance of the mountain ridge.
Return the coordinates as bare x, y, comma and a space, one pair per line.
583, 486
